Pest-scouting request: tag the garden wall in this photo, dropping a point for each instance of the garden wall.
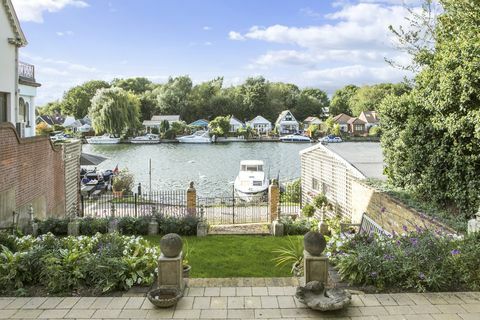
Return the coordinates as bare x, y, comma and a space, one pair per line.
32, 173
387, 211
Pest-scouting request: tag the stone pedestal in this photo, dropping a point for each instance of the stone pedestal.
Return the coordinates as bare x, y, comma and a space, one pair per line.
74, 228
113, 225
170, 272
191, 199
153, 228
202, 229
315, 268
277, 229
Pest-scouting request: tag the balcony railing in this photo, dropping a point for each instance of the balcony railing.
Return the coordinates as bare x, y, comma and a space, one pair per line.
26, 71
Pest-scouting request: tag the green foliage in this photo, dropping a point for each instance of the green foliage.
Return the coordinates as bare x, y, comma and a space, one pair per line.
8, 241
297, 226
135, 85
49, 108
56, 226
308, 210
368, 98
114, 111
341, 100
220, 126
42, 129
375, 131
431, 136
320, 200
420, 260
291, 255
184, 226
123, 181
77, 101
310, 102
164, 126
169, 134
173, 96
134, 226
101, 263
90, 226
292, 192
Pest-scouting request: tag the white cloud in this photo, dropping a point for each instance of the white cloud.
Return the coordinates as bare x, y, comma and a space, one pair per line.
64, 33
310, 13
32, 10
233, 35
207, 43
207, 28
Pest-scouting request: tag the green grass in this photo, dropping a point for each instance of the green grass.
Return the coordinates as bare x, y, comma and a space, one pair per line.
219, 256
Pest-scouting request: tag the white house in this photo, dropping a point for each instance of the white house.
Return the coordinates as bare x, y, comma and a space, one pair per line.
260, 125
370, 118
235, 124
18, 87
286, 123
157, 120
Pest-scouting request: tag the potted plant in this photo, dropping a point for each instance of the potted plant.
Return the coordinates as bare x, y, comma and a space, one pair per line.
320, 202
122, 182
292, 255
186, 254
308, 211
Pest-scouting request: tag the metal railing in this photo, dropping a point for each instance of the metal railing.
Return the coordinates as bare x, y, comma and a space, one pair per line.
26, 71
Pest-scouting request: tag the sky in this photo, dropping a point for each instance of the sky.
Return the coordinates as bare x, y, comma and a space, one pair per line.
325, 44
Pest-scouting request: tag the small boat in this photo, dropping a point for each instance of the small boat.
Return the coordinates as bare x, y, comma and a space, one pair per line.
251, 182
105, 139
294, 138
197, 137
149, 138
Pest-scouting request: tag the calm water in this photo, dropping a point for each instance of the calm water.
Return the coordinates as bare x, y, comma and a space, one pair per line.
213, 168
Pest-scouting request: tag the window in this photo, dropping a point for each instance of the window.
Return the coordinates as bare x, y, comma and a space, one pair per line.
23, 112
358, 127
315, 184
3, 107
27, 114
325, 188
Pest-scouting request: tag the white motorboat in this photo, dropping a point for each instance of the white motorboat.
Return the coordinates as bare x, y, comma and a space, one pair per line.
197, 137
149, 138
105, 139
294, 138
251, 182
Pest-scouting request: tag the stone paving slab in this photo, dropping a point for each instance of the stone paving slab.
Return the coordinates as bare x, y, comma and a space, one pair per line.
267, 302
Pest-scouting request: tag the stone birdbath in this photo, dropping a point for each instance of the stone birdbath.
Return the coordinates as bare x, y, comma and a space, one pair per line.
170, 273
315, 294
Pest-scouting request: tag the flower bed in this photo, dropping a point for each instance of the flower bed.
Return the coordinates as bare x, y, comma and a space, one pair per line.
421, 260
96, 264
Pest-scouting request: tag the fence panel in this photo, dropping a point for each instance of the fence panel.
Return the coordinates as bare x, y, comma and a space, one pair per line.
169, 203
290, 198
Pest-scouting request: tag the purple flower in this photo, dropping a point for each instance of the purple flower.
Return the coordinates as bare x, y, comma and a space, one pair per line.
388, 257
383, 209
398, 243
414, 241
419, 229
455, 252
405, 228
421, 276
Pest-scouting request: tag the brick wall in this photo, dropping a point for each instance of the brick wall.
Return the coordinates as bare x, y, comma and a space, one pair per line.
32, 172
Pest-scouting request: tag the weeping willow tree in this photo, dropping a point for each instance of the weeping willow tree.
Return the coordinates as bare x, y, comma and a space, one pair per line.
114, 111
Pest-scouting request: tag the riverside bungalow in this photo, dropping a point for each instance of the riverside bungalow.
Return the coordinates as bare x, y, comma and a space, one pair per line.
235, 124
312, 120
200, 123
370, 118
342, 119
357, 127
286, 123
157, 120
260, 125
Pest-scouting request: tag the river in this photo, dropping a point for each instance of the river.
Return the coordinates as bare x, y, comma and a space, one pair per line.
213, 167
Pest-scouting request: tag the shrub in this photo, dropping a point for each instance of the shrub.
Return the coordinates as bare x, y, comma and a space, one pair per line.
123, 181
8, 241
297, 227
308, 210
90, 226
183, 226
58, 227
134, 226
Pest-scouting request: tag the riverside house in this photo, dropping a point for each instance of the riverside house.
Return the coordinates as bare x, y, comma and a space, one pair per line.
235, 124
18, 87
370, 118
260, 125
158, 119
286, 123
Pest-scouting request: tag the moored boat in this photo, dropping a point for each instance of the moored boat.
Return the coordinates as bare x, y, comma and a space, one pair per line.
251, 182
294, 138
197, 137
149, 138
105, 139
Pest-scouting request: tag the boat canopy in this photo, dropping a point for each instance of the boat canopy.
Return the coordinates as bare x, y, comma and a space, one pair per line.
251, 165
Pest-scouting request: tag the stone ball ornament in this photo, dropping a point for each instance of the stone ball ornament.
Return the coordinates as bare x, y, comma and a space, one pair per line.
171, 245
314, 243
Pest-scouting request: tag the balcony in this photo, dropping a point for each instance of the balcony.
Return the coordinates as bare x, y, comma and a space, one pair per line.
26, 74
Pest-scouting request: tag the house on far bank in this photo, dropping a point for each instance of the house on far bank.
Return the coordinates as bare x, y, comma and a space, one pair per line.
357, 127
370, 118
158, 119
286, 123
342, 119
235, 124
260, 125
311, 120
200, 123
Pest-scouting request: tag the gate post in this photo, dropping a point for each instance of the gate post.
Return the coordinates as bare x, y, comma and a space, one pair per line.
191, 199
273, 200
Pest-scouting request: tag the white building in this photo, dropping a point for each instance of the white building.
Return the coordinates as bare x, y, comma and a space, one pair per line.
235, 124
18, 87
286, 123
157, 120
260, 125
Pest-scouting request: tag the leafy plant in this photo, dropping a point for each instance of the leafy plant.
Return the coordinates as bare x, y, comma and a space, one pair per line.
308, 210
291, 255
123, 181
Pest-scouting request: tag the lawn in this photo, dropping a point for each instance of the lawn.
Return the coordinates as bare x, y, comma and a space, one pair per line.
220, 256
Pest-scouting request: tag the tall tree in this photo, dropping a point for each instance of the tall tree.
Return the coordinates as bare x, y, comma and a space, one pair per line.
77, 101
341, 100
254, 96
136, 85
310, 102
173, 96
431, 136
368, 98
114, 111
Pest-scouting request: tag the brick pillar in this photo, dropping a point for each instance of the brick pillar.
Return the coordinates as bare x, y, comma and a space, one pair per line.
273, 200
191, 199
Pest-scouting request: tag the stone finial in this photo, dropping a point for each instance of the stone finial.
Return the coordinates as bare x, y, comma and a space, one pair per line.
191, 185
171, 245
314, 243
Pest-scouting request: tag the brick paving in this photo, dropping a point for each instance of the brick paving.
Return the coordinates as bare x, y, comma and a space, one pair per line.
245, 298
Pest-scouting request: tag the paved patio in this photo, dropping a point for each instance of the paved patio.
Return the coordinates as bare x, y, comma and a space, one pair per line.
249, 299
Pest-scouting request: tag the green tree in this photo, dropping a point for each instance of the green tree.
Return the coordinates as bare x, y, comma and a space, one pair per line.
77, 101
136, 85
310, 102
280, 96
254, 96
49, 109
114, 111
148, 104
431, 136
164, 126
220, 126
173, 96
341, 100
368, 98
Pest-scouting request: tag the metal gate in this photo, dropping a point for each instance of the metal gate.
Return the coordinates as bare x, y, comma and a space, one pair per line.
233, 210
291, 198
